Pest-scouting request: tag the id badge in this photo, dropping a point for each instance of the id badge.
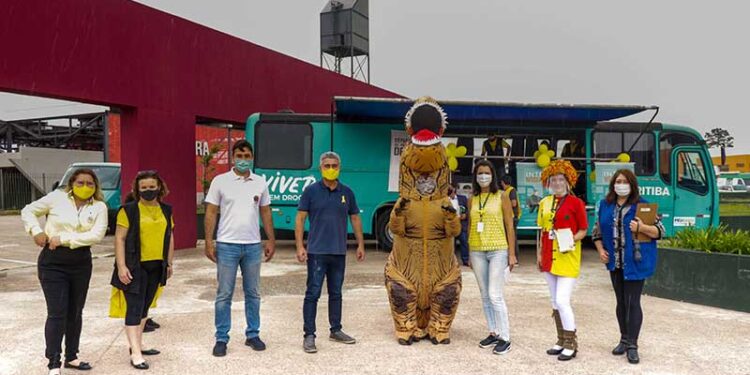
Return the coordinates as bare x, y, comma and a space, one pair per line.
480, 227
551, 235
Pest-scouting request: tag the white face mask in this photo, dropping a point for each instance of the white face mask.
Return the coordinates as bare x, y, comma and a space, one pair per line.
622, 190
484, 180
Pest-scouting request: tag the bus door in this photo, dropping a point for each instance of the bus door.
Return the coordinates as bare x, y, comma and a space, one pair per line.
693, 195
286, 155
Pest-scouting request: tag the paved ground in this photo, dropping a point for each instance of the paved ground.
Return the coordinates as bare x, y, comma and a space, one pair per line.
677, 338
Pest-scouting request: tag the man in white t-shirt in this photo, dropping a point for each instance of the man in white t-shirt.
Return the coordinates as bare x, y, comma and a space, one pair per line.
241, 197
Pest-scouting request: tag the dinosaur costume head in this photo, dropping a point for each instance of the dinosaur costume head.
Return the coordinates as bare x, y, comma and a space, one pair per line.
424, 172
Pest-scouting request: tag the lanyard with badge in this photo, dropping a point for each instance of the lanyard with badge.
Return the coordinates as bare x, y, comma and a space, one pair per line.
482, 206
556, 204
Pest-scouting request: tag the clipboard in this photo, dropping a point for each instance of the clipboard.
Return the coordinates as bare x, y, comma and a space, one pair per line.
647, 212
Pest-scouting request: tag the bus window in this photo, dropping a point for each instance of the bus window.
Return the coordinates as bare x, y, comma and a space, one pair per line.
691, 173
607, 145
283, 146
666, 143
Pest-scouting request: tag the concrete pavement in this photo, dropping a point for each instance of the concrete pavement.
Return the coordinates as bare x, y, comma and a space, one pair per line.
677, 338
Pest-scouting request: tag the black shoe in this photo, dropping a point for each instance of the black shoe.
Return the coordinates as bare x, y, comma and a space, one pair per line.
553, 351
220, 349
502, 347
489, 341
620, 348
151, 323
82, 366
141, 366
633, 356
308, 344
146, 352
256, 344
563, 357
147, 329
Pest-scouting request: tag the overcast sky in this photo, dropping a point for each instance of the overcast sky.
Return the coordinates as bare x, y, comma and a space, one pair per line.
689, 58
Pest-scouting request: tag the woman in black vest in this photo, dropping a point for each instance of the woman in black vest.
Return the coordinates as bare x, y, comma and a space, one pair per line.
144, 249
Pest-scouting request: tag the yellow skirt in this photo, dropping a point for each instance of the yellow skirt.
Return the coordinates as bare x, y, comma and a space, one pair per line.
118, 306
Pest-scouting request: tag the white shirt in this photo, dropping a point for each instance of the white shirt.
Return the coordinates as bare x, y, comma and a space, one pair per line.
239, 200
76, 228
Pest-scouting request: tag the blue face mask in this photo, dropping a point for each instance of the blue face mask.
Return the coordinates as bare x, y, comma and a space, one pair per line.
243, 165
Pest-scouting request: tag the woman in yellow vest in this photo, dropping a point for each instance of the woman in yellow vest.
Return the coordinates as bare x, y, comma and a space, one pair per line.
491, 235
562, 218
144, 249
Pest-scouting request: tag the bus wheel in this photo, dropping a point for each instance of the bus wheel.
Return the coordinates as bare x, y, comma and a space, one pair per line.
383, 233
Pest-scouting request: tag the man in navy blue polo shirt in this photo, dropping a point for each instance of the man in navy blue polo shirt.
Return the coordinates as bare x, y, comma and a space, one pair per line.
328, 203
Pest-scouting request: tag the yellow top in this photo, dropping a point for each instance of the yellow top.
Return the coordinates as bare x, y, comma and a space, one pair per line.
76, 227
490, 214
153, 225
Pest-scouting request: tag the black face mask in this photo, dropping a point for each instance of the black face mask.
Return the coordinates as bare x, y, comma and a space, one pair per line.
149, 195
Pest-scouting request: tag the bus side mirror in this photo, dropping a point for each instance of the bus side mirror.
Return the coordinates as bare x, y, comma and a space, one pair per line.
55, 185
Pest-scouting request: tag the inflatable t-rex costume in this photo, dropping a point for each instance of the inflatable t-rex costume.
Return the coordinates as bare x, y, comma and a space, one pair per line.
422, 275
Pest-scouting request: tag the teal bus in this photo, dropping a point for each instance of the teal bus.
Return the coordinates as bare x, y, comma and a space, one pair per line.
672, 162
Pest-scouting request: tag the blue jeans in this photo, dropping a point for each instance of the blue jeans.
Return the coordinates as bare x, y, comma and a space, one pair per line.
330, 267
248, 257
489, 269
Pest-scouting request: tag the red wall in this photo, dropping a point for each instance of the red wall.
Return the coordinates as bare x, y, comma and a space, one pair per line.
162, 72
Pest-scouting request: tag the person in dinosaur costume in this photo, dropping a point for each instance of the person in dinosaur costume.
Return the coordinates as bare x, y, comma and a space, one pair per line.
422, 275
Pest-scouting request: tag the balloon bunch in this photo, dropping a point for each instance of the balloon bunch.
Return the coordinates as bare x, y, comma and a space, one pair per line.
544, 156
453, 154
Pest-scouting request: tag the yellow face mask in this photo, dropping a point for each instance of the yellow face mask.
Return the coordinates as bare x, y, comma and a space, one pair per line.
330, 174
83, 192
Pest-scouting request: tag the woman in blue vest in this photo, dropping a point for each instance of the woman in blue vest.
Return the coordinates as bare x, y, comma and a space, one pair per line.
144, 249
629, 261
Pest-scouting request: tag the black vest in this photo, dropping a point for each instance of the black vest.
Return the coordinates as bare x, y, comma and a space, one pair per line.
133, 247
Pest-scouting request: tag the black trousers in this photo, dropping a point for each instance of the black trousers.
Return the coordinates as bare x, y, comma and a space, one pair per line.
64, 275
138, 301
629, 312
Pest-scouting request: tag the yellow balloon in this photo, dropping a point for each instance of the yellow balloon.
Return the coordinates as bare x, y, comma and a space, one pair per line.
543, 161
452, 163
537, 153
551, 153
543, 148
461, 151
623, 158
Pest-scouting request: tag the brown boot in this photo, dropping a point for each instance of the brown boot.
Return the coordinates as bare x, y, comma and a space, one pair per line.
558, 348
570, 345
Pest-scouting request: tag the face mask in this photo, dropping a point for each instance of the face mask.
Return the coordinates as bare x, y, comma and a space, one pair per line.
622, 190
484, 180
558, 188
149, 195
330, 174
83, 192
243, 165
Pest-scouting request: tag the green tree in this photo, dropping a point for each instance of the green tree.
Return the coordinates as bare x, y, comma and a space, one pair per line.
721, 138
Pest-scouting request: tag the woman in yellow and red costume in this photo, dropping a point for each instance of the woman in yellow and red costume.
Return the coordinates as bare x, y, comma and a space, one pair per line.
562, 218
